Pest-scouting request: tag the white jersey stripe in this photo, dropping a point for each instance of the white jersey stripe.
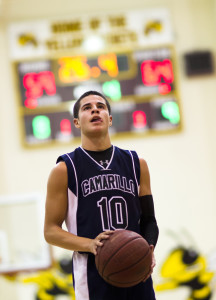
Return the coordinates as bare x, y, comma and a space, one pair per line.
79, 260
80, 276
75, 174
71, 219
134, 171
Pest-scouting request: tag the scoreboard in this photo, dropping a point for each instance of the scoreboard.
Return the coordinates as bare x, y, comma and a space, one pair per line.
139, 79
140, 86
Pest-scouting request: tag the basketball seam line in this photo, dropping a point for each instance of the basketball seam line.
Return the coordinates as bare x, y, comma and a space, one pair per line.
136, 237
130, 266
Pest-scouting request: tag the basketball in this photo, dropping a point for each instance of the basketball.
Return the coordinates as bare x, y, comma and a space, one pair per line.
125, 258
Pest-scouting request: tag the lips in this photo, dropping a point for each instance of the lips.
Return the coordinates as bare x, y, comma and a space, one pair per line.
96, 119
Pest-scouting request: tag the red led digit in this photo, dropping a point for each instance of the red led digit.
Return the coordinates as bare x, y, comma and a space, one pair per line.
32, 86
36, 83
164, 88
47, 82
149, 72
139, 119
154, 71
65, 126
166, 71
31, 103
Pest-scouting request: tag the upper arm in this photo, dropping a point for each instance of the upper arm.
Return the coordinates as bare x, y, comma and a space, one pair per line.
56, 199
145, 185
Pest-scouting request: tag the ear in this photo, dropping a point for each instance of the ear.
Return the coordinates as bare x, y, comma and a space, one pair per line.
110, 120
76, 122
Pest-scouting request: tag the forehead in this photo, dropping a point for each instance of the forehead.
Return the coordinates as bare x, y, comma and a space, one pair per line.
92, 99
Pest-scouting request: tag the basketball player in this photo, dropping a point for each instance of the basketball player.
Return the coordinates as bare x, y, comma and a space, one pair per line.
96, 189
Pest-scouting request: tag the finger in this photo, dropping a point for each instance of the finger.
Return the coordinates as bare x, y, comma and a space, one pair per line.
99, 243
104, 237
108, 232
151, 248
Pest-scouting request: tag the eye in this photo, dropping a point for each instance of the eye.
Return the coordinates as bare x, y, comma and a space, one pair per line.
101, 106
189, 256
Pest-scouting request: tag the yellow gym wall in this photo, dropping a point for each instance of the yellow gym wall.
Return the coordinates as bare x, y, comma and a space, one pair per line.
182, 165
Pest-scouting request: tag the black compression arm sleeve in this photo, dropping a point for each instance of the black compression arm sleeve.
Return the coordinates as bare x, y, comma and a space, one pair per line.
148, 223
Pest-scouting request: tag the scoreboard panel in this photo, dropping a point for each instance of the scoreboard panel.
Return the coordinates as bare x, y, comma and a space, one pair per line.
140, 84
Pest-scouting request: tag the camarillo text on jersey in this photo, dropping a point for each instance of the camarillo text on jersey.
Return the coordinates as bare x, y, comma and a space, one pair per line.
107, 182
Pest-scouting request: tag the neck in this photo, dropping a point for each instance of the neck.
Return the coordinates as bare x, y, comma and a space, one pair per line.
96, 143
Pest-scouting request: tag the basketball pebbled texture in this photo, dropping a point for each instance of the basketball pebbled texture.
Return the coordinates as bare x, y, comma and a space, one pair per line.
125, 258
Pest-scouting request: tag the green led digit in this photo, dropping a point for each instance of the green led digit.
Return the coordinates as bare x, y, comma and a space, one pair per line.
112, 89
170, 111
41, 127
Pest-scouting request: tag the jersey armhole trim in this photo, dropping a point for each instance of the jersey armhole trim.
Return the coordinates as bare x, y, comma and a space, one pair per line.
134, 170
75, 173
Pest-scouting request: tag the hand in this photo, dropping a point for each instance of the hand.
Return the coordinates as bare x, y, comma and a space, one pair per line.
152, 265
97, 241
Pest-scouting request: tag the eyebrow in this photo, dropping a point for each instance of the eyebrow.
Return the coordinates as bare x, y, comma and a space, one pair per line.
86, 104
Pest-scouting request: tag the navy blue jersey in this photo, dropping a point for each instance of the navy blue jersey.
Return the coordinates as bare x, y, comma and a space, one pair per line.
100, 199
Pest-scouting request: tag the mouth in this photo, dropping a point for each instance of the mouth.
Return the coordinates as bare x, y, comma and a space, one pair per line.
96, 119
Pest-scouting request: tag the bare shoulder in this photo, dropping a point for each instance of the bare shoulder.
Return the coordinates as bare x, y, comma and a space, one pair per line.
145, 186
143, 165
58, 174
59, 169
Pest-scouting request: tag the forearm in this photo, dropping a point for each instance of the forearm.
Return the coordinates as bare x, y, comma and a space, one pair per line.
148, 224
149, 230
56, 236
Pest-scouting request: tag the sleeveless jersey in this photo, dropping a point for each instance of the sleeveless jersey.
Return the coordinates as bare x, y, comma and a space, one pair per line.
99, 199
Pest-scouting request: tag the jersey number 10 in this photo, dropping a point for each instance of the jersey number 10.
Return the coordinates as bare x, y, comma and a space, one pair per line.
114, 213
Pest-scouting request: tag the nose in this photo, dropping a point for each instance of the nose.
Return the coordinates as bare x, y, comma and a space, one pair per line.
94, 109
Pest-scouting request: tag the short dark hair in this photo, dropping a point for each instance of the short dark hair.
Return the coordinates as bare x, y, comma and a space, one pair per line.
86, 94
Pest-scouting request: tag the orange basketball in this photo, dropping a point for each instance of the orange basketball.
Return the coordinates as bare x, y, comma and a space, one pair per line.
125, 258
